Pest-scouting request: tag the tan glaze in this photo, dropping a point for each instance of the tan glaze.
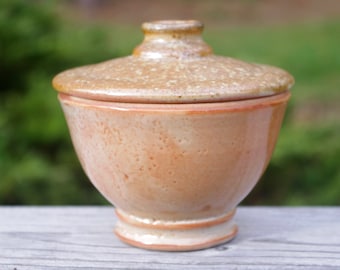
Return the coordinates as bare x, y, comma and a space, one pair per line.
175, 163
173, 65
173, 135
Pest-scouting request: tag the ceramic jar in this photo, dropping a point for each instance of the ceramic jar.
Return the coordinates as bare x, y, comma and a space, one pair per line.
173, 135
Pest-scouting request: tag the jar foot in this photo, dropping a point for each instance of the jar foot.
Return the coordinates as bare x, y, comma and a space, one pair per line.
175, 235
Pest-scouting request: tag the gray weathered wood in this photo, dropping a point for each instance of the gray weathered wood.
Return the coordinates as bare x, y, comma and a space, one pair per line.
81, 238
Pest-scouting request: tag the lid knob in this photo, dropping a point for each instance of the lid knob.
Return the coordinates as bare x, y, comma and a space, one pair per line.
172, 38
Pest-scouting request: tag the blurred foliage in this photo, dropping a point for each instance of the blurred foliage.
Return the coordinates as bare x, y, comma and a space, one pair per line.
38, 164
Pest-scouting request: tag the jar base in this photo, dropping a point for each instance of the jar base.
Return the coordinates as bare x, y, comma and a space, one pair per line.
175, 235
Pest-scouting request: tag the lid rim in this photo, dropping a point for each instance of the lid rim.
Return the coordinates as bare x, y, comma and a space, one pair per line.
161, 99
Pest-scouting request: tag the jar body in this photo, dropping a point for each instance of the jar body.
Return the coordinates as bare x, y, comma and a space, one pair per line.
170, 167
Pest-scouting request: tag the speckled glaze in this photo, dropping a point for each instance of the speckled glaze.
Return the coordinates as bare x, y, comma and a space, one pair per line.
173, 65
174, 136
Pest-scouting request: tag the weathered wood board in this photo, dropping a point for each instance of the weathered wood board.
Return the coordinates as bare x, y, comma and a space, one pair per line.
36, 238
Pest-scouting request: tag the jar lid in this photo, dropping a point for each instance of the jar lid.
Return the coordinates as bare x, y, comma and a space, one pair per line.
173, 65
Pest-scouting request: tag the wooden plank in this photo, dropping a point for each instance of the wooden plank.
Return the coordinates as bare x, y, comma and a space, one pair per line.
35, 238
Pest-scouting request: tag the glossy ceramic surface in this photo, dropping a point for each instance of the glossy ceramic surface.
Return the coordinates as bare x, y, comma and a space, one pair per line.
173, 135
180, 164
173, 65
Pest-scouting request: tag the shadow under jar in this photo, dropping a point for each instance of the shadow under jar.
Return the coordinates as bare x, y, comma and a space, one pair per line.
173, 135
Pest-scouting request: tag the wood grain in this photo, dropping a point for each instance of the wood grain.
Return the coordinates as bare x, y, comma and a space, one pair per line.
35, 238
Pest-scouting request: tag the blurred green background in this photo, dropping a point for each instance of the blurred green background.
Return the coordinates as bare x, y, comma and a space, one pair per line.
38, 39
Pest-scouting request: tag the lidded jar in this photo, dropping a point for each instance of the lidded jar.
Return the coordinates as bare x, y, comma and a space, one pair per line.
173, 135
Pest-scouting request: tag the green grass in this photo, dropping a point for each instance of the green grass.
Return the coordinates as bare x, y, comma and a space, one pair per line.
37, 161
